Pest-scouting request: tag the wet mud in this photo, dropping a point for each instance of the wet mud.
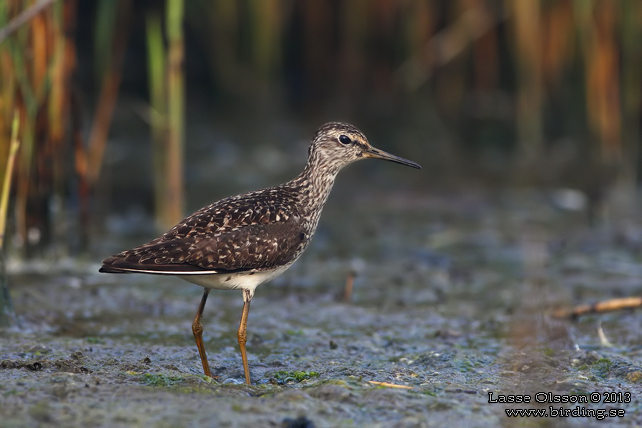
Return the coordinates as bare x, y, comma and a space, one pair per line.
449, 305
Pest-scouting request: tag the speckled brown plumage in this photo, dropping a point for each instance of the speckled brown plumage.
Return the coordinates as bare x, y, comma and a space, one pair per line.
255, 231
242, 241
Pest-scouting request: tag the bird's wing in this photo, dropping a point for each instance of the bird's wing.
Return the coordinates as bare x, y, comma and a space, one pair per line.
223, 237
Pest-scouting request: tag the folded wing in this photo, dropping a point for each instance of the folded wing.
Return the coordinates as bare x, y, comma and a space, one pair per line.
255, 246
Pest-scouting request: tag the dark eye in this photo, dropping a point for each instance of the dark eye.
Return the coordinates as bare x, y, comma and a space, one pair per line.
344, 139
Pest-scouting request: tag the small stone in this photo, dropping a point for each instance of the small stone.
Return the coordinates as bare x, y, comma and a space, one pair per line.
35, 366
300, 422
590, 358
635, 376
38, 349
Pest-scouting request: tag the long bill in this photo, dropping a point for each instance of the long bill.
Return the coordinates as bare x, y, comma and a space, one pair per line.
380, 154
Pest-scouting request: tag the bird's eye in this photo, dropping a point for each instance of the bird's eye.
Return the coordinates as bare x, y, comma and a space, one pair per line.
344, 139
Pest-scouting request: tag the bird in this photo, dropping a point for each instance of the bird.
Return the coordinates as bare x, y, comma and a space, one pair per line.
240, 242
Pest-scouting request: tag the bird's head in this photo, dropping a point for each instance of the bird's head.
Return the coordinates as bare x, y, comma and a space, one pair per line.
338, 144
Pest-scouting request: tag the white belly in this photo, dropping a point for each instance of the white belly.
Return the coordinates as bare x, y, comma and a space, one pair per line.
234, 281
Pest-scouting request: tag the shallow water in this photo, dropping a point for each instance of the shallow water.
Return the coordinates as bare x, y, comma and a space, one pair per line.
449, 301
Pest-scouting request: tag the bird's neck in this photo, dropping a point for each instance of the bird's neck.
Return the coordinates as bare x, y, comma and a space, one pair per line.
315, 183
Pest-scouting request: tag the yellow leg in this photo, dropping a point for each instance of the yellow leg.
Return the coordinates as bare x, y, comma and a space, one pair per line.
242, 333
197, 329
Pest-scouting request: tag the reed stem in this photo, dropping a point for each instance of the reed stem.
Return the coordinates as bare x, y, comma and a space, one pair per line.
5, 299
176, 110
8, 174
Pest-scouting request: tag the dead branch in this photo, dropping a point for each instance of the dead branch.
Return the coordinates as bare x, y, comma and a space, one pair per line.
599, 307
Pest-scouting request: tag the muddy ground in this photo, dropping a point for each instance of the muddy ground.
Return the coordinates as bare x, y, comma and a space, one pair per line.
450, 304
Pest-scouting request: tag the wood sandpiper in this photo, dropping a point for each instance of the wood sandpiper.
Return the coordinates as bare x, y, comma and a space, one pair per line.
243, 241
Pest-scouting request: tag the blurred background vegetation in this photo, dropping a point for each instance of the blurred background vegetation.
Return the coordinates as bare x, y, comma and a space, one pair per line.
124, 103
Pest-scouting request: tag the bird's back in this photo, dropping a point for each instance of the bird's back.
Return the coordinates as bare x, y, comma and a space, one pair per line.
256, 231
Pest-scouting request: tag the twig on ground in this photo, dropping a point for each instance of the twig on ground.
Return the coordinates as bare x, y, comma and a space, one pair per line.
347, 291
389, 385
599, 307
